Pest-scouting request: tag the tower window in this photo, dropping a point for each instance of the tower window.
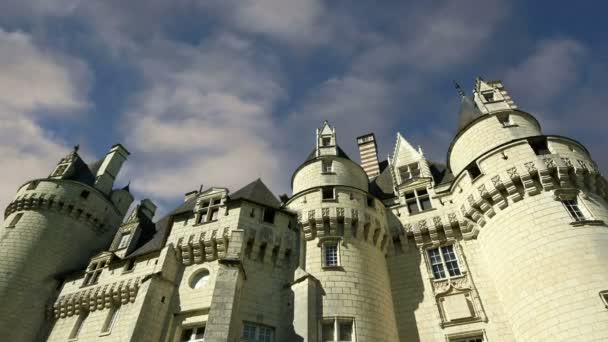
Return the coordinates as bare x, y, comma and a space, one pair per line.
417, 201
504, 119
110, 319
327, 166
85, 194
442, 259
15, 220
328, 193
93, 272
257, 332
409, 171
326, 141
337, 329
489, 96
539, 145
209, 210
472, 338
574, 210
269, 215
78, 325
473, 170
124, 240
129, 266
331, 254
194, 334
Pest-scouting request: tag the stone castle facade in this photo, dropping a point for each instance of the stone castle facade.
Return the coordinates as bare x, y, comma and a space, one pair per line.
507, 242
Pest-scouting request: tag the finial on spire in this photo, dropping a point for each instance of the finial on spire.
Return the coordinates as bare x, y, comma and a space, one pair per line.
200, 189
76, 147
459, 89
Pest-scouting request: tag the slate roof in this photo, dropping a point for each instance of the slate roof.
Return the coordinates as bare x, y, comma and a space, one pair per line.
82, 172
340, 151
256, 192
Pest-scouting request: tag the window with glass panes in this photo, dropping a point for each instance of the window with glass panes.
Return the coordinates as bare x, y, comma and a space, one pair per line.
442, 259
330, 254
257, 332
476, 338
194, 334
409, 171
327, 166
93, 272
209, 210
574, 209
124, 240
110, 319
337, 330
417, 201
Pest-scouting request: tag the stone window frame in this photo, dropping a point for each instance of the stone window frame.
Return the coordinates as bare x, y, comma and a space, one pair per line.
336, 321
125, 238
462, 266
93, 272
15, 220
257, 329
194, 329
205, 213
77, 327
505, 119
129, 266
327, 169
110, 320
587, 218
331, 241
408, 169
416, 199
200, 274
334, 193
467, 336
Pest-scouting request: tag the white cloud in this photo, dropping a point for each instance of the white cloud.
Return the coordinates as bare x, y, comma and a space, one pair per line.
205, 117
35, 82
553, 67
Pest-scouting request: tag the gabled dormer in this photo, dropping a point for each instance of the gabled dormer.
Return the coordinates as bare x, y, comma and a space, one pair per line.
326, 140
137, 226
210, 204
67, 165
408, 164
491, 96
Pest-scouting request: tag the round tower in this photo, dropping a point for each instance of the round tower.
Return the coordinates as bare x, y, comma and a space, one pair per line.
344, 242
53, 226
539, 209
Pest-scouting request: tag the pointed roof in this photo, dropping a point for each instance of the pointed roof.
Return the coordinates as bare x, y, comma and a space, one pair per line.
326, 130
256, 192
339, 150
468, 112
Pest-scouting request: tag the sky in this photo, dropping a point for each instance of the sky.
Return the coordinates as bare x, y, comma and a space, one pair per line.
221, 92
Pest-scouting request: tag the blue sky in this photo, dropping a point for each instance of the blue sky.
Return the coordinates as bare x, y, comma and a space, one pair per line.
220, 92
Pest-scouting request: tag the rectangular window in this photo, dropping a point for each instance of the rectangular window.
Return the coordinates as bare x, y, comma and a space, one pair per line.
15, 220
326, 141
85, 194
78, 325
129, 265
93, 272
327, 193
504, 119
441, 259
473, 170
574, 210
539, 145
195, 334
417, 201
476, 338
269, 215
370, 202
124, 240
327, 166
330, 254
214, 213
209, 210
337, 330
110, 319
409, 171
489, 96
604, 297
257, 332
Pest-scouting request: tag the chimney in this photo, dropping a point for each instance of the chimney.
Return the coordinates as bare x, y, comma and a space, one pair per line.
189, 195
369, 154
147, 208
110, 167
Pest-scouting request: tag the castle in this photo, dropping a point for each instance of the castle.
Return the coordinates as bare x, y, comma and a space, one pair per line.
506, 242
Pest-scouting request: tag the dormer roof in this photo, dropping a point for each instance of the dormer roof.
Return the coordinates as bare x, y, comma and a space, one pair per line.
256, 192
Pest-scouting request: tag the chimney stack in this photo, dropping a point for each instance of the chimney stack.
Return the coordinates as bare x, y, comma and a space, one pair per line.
369, 154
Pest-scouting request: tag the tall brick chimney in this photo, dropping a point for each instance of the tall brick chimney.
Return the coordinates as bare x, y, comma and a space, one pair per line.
369, 154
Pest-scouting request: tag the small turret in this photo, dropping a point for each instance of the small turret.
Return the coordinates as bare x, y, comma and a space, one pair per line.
326, 140
104, 179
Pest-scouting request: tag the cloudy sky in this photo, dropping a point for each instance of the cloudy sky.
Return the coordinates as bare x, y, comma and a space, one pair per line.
220, 92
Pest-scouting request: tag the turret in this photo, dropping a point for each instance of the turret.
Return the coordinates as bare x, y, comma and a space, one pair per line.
53, 226
344, 241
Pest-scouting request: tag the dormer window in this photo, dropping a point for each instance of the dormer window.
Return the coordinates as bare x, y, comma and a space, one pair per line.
417, 201
124, 240
489, 96
209, 210
326, 141
409, 171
